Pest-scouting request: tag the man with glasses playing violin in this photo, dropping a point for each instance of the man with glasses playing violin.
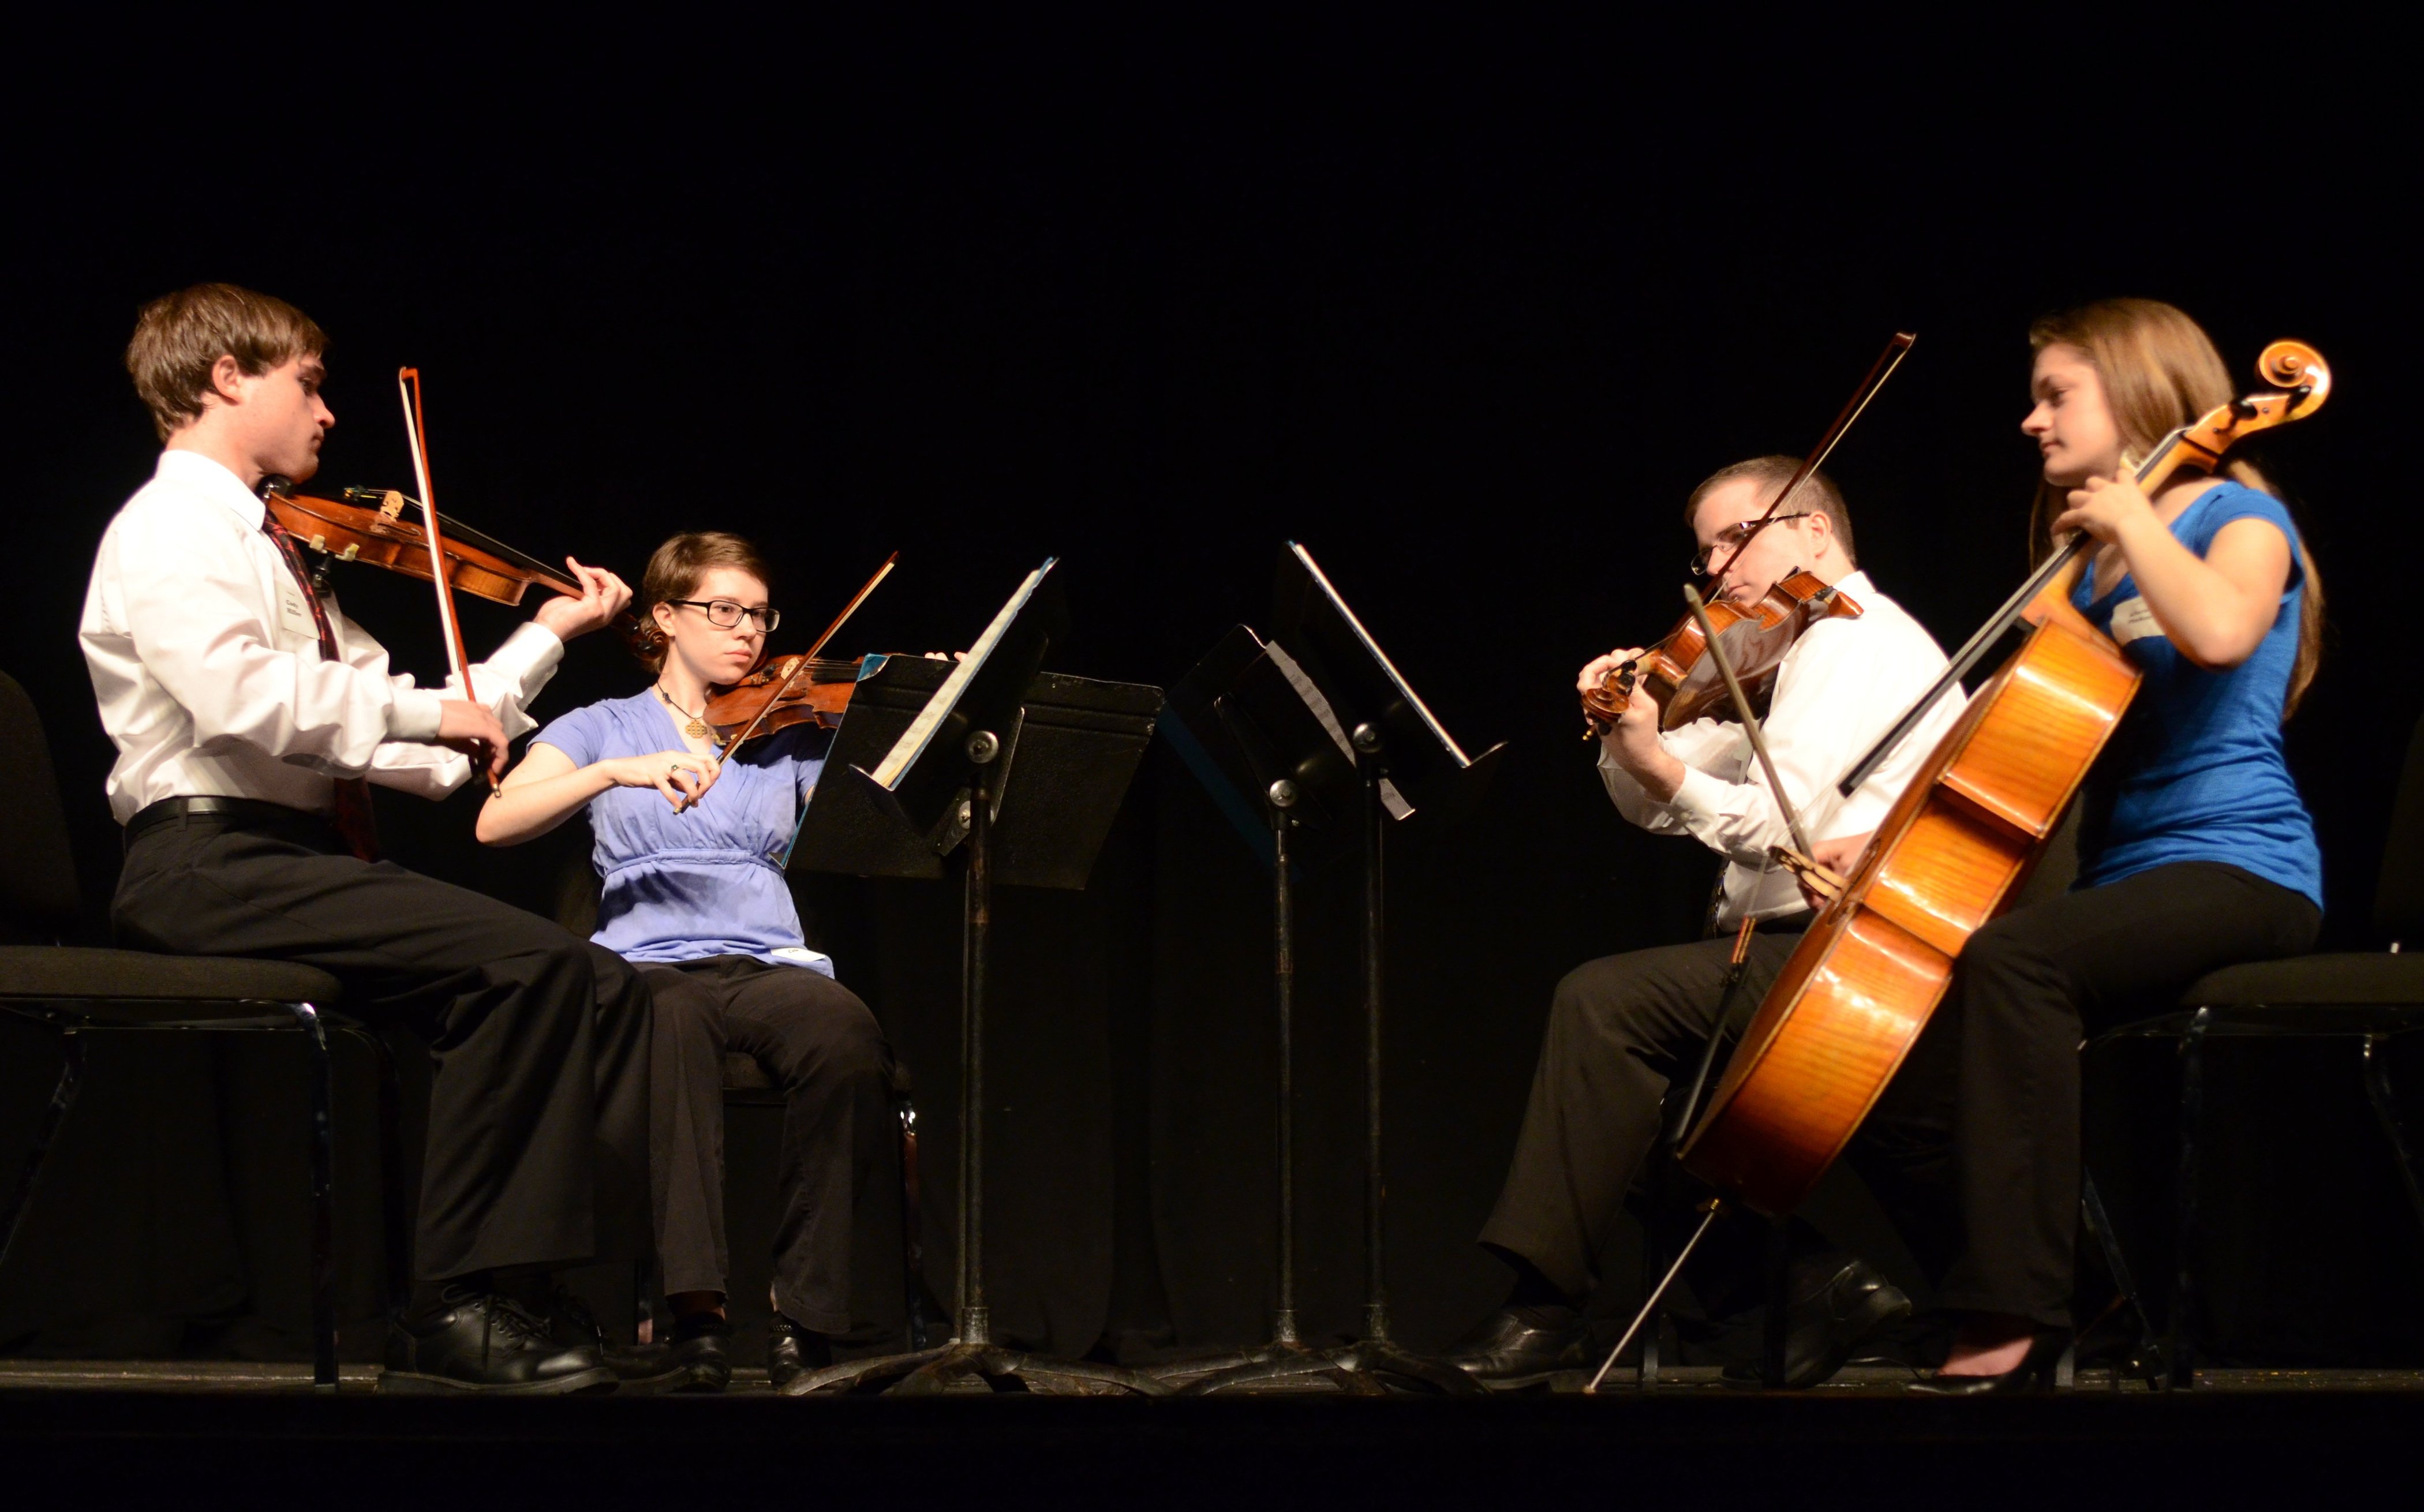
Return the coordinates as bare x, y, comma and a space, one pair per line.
1624, 1028
249, 713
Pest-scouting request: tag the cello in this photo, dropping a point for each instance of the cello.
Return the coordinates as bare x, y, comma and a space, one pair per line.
1860, 987
1949, 856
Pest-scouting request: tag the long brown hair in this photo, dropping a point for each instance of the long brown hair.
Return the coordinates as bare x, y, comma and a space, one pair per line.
2161, 370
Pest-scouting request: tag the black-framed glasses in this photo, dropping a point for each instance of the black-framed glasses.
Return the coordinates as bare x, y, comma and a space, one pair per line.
1735, 536
725, 615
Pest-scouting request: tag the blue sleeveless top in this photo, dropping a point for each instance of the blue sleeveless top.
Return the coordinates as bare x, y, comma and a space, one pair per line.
2195, 773
707, 881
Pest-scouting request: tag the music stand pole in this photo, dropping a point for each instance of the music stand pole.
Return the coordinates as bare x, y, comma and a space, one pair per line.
1367, 744
1283, 797
974, 1320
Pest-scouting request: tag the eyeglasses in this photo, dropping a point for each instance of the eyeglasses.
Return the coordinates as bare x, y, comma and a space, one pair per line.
1735, 536
725, 615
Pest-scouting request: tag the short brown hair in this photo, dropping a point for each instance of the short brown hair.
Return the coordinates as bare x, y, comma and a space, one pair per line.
1817, 494
674, 572
180, 336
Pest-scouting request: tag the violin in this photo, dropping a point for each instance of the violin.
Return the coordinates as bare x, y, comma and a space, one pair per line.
786, 692
1676, 672
1684, 680
368, 525
793, 690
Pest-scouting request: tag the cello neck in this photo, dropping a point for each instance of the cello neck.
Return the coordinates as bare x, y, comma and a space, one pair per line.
2165, 459
1972, 651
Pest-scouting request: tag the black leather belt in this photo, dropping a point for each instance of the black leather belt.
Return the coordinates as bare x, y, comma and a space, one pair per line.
242, 811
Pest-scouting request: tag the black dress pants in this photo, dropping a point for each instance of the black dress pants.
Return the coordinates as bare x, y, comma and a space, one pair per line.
538, 1115
2028, 988
830, 1060
1621, 1029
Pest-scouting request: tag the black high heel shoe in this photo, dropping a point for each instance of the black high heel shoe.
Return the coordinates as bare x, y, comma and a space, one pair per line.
2034, 1373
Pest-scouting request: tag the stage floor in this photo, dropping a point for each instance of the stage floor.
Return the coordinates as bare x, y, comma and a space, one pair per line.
222, 1377
216, 1377
258, 1436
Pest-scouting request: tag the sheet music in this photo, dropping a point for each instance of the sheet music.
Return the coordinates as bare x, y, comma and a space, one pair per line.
913, 740
1373, 649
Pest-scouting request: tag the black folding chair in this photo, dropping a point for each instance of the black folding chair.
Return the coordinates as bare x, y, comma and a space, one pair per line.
2367, 999
76, 992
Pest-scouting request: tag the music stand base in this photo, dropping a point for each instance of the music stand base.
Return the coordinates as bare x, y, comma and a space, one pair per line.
973, 1368
1367, 1367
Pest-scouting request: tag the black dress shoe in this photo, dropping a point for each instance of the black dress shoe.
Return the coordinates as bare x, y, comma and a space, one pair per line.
692, 1361
1519, 1346
1838, 1301
488, 1344
2034, 1373
792, 1351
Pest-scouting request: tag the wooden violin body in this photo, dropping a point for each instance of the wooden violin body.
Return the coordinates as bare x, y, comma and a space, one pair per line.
1957, 845
785, 691
1679, 675
355, 530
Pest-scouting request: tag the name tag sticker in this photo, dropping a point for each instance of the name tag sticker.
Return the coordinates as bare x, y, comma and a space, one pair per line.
2133, 621
293, 614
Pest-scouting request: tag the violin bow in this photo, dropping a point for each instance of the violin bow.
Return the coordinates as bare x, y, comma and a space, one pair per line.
408, 386
802, 665
1879, 371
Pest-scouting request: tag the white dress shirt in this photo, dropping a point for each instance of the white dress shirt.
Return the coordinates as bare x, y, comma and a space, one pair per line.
207, 663
1842, 684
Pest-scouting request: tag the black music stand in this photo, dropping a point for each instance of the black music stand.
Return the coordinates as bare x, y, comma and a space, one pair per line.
1322, 713
923, 766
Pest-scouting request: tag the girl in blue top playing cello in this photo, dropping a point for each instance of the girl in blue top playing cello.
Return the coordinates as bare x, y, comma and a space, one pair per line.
2195, 849
690, 847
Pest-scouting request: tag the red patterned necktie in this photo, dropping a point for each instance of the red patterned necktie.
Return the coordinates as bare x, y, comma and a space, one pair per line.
354, 817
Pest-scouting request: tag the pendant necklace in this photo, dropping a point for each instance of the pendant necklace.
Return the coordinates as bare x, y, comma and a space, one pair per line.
696, 729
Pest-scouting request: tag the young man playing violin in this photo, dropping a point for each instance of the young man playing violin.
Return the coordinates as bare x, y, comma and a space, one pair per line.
1623, 1028
248, 714
689, 841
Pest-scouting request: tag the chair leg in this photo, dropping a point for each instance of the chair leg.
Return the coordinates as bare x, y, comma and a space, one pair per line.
323, 1219
2183, 1347
63, 1097
2149, 1360
2385, 1112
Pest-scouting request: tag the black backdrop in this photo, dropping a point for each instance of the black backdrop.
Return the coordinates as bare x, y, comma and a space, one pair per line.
1465, 306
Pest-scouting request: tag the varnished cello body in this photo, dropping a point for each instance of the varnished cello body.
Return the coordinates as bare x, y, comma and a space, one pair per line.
1948, 858
1852, 999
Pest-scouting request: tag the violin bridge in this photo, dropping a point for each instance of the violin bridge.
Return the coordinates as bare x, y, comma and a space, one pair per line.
391, 505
